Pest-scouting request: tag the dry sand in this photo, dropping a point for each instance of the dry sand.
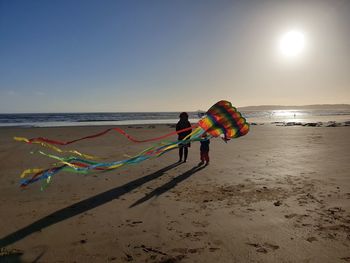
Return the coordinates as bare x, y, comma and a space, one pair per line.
279, 194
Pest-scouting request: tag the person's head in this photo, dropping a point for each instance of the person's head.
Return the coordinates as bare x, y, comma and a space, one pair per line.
183, 116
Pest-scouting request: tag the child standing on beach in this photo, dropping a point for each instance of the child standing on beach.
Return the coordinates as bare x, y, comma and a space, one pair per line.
204, 149
183, 124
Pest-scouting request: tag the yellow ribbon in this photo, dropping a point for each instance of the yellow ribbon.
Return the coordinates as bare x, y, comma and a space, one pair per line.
52, 147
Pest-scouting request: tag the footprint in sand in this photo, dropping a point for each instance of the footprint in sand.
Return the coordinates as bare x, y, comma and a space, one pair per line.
193, 236
311, 239
290, 216
200, 223
264, 248
271, 246
10, 255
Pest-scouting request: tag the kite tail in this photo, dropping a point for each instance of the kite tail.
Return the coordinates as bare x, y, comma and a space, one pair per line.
83, 166
120, 131
55, 148
48, 143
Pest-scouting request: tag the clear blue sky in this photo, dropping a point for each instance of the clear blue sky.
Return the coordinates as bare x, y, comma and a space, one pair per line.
87, 56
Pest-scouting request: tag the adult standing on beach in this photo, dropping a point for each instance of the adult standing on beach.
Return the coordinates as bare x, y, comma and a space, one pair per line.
183, 124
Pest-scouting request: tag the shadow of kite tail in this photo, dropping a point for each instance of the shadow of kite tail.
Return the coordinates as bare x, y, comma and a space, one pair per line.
81, 207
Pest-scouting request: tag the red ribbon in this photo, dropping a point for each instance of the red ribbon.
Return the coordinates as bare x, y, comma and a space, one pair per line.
122, 132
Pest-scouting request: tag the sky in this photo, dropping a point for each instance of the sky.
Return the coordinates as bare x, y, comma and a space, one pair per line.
179, 55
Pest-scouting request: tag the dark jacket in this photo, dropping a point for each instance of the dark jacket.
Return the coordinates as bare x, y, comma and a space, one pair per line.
205, 145
183, 124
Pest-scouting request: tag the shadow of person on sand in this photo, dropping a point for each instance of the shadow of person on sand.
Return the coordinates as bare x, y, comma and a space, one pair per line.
81, 207
171, 184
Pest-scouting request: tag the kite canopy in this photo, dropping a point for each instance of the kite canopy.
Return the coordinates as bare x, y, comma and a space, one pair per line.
223, 118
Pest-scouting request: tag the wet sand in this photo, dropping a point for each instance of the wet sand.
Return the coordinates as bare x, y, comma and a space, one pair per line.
279, 194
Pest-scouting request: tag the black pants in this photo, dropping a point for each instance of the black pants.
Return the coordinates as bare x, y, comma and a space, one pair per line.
183, 150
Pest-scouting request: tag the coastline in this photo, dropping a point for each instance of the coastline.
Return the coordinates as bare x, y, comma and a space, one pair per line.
326, 121
278, 194
285, 116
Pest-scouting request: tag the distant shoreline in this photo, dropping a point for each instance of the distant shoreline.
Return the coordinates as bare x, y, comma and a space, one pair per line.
135, 123
243, 108
303, 107
253, 115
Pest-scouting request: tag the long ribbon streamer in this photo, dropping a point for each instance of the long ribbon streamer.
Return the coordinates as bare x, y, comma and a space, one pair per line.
120, 131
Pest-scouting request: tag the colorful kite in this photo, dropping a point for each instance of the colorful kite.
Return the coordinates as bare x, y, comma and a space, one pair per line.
222, 119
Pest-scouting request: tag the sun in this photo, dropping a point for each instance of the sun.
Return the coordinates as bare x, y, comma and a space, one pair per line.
292, 43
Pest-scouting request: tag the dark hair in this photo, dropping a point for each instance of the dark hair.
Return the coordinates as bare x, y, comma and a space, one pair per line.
183, 115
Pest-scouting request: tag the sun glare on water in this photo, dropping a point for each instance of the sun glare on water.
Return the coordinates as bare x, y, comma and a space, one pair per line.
292, 43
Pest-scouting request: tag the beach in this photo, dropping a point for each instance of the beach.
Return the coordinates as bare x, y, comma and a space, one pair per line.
278, 194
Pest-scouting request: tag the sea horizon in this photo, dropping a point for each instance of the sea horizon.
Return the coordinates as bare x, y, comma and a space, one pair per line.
243, 108
252, 115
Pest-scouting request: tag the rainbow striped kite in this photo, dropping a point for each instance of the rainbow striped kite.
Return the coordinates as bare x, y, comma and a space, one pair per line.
222, 119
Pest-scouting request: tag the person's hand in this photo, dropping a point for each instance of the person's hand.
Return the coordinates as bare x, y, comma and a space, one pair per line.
225, 139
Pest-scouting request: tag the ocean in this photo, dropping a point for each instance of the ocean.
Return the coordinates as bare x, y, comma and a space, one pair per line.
130, 118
